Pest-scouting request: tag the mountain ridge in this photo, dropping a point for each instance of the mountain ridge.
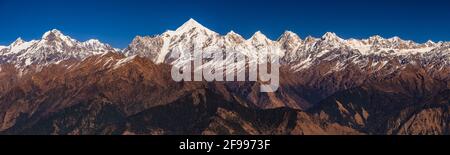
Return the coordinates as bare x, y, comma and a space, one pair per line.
196, 24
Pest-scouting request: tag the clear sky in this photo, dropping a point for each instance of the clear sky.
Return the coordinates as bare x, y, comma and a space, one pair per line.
117, 22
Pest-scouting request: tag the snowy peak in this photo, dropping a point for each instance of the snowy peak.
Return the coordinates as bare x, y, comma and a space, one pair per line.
190, 25
289, 36
395, 39
331, 40
231, 33
375, 39
93, 42
17, 42
430, 43
259, 38
138, 39
310, 39
330, 36
234, 37
55, 36
52, 34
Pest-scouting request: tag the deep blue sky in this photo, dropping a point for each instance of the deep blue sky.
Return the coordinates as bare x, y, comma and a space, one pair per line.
117, 22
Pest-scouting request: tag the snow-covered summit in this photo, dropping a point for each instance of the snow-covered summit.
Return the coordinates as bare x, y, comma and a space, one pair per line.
17, 42
189, 25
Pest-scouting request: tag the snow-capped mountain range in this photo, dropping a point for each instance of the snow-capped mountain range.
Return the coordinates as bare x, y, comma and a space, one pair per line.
53, 47
328, 85
171, 47
301, 54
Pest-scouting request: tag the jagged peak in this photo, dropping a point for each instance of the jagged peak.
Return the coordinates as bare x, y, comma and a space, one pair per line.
258, 38
376, 37
331, 36
232, 33
258, 35
395, 38
234, 37
289, 35
309, 39
18, 41
430, 41
140, 39
56, 35
54, 32
189, 25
